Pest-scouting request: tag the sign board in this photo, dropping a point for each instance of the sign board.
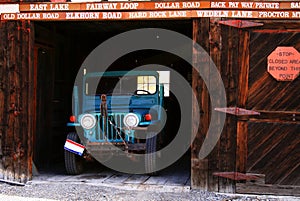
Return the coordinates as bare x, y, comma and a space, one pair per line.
146, 15
165, 5
9, 8
284, 63
149, 10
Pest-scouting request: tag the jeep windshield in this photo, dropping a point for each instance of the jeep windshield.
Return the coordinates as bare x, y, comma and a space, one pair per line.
121, 85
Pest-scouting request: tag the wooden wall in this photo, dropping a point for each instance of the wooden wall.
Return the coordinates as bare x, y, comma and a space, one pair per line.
267, 144
274, 152
17, 100
274, 143
228, 48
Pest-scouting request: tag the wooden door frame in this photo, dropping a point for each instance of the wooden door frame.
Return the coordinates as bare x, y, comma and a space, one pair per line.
19, 103
229, 49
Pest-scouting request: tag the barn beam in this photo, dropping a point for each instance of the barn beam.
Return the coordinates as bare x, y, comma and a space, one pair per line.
16, 98
235, 72
199, 168
242, 95
207, 33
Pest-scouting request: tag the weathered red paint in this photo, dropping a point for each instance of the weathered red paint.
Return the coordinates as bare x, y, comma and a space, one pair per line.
240, 23
237, 176
237, 111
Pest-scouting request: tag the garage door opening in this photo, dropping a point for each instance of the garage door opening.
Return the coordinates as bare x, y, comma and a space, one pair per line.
60, 49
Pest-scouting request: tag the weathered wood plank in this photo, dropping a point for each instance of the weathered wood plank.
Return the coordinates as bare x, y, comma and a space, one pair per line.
274, 151
227, 149
223, 156
177, 180
238, 176
242, 96
3, 95
136, 179
272, 143
278, 116
199, 178
157, 180
214, 87
117, 178
17, 72
32, 104
199, 168
265, 93
243, 68
242, 146
267, 189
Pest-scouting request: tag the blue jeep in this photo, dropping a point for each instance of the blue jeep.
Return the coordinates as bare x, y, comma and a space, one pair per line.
125, 111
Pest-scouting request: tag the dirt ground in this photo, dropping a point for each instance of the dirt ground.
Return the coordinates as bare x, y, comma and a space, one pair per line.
100, 183
80, 191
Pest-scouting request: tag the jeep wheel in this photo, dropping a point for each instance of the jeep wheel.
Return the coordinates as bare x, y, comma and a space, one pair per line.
151, 155
73, 162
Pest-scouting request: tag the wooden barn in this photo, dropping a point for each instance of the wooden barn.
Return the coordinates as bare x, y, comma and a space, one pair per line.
254, 45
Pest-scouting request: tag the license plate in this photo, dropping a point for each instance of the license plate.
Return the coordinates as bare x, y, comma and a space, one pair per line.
74, 147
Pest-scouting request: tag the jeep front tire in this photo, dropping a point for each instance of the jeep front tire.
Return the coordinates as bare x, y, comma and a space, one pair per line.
151, 154
73, 162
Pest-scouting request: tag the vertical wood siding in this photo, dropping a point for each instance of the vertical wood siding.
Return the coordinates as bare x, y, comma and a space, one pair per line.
228, 48
199, 171
16, 100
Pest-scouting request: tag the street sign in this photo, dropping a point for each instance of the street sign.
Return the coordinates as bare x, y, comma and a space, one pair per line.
284, 63
139, 10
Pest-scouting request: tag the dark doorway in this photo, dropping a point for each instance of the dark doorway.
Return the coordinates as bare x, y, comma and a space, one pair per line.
61, 47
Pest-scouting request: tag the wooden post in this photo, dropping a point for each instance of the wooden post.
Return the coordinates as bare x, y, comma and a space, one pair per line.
199, 168
207, 33
227, 148
235, 70
17, 99
242, 95
215, 42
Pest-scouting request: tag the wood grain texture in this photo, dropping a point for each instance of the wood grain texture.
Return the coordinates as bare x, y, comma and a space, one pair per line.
274, 150
242, 96
265, 93
228, 48
199, 171
273, 140
17, 101
229, 72
268, 189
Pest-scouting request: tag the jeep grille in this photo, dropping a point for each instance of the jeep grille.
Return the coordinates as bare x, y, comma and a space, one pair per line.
113, 132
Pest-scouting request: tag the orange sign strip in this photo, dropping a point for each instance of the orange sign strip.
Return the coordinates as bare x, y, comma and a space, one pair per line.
146, 15
173, 5
106, 6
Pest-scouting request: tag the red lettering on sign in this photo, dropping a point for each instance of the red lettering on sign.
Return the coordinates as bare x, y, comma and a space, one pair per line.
284, 63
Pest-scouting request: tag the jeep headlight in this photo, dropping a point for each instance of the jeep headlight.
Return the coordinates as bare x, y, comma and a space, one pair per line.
88, 121
131, 120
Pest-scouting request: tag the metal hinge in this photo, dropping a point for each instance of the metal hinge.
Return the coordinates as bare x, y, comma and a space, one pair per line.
237, 111
240, 23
